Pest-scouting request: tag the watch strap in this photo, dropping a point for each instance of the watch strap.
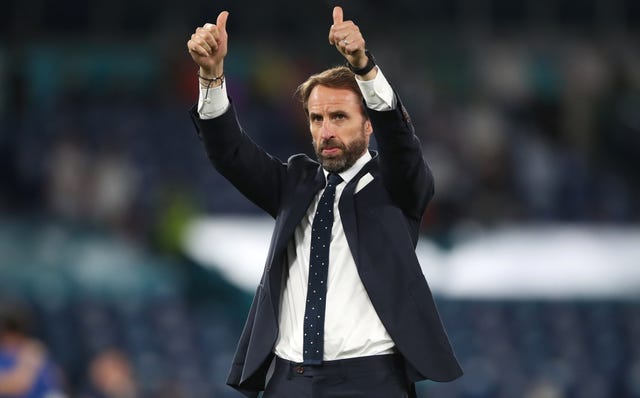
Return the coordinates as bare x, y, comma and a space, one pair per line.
371, 63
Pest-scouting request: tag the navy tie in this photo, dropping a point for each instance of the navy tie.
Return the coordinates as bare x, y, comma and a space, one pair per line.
313, 346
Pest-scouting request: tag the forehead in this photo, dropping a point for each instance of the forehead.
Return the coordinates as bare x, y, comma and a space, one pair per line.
329, 97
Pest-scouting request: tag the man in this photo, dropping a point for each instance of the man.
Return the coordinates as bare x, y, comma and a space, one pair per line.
25, 370
343, 306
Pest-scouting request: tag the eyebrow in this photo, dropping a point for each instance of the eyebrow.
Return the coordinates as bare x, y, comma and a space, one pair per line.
331, 114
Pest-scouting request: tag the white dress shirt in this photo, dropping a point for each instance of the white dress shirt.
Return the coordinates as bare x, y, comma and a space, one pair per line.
352, 327
377, 94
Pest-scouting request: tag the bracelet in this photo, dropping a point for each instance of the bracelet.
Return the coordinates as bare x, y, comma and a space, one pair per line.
210, 81
371, 63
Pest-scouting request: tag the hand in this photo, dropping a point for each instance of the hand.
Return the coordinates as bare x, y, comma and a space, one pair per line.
346, 36
208, 46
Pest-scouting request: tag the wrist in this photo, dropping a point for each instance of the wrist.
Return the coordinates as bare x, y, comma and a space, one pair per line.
364, 65
368, 71
210, 73
209, 78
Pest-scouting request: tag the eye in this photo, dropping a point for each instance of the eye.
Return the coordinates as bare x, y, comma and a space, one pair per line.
315, 118
339, 116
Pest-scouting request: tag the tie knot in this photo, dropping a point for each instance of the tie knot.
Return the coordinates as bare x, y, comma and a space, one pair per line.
333, 179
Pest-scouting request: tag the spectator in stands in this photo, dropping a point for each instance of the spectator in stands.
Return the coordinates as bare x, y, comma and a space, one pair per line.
111, 376
25, 370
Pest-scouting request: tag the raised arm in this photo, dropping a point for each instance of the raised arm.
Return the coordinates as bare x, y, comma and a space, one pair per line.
404, 171
255, 173
348, 40
208, 48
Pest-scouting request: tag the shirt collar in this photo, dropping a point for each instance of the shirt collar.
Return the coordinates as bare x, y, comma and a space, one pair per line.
351, 172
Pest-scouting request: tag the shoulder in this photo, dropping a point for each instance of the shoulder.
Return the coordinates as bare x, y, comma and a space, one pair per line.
301, 167
301, 161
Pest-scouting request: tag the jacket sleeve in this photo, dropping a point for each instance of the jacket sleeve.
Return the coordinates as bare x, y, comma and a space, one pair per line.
405, 174
256, 174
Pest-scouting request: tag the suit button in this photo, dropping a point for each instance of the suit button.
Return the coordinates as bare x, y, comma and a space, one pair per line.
299, 369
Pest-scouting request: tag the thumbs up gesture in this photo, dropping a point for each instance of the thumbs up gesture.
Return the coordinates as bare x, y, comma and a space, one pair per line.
346, 36
208, 46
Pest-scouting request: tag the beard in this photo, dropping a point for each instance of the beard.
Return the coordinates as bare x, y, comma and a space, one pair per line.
346, 158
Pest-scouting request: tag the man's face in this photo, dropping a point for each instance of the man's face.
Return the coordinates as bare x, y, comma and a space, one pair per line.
339, 129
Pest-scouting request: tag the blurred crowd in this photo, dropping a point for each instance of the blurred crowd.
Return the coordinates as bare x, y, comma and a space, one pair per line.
157, 348
526, 113
27, 369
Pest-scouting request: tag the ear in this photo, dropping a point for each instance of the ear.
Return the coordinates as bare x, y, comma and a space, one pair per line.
368, 128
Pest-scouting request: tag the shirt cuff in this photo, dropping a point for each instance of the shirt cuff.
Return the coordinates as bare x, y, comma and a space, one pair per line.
377, 93
212, 102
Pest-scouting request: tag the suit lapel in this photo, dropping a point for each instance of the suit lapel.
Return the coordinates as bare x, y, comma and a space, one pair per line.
300, 201
303, 194
347, 206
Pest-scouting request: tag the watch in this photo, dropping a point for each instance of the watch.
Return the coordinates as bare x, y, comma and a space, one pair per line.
367, 68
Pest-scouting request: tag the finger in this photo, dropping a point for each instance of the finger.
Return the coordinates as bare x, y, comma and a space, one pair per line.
197, 49
222, 21
204, 40
332, 35
337, 15
355, 40
343, 47
339, 32
345, 28
208, 36
353, 48
204, 45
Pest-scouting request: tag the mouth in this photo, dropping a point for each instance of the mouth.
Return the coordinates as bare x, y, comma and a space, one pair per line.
331, 147
328, 151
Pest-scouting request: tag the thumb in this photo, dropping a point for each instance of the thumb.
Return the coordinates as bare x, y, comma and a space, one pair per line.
221, 22
337, 15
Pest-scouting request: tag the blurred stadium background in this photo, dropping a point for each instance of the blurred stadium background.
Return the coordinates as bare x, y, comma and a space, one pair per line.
134, 261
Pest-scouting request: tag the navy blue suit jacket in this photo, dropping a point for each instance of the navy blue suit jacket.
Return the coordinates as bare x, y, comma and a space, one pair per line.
381, 209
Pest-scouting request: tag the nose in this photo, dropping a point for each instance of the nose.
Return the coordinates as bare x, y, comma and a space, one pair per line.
326, 131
